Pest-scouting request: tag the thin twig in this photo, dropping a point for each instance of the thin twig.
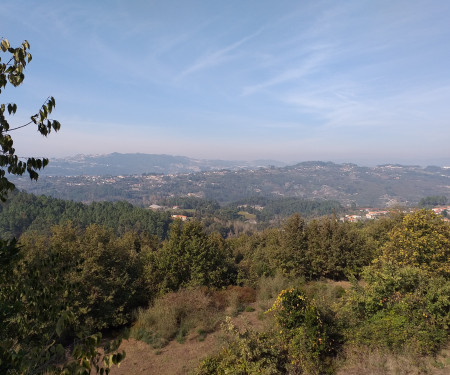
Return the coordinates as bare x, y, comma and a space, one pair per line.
22, 126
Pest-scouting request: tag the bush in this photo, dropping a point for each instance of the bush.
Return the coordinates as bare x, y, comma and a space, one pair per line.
248, 352
404, 302
422, 240
305, 332
397, 309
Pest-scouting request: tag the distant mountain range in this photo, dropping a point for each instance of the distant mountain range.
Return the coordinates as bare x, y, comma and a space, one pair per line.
116, 164
146, 179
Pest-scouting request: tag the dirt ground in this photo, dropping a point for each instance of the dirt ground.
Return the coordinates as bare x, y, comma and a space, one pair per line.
176, 358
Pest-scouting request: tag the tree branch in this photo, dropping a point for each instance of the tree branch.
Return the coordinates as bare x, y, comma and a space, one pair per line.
18, 127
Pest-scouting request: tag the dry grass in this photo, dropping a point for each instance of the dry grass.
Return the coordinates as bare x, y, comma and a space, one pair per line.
238, 298
174, 315
365, 361
268, 290
183, 358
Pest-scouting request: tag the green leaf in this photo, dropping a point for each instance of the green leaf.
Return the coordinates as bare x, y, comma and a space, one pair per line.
86, 364
60, 350
60, 324
12, 108
56, 125
5, 45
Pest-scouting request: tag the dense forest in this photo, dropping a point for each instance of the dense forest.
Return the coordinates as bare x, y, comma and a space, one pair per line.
82, 269
26, 212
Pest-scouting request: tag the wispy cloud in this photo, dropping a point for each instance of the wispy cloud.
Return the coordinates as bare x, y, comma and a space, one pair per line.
345, 106
315, 75
217, 57
305, 68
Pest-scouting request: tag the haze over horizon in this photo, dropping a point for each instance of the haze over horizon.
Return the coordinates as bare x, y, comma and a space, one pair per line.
268, 162
361, 81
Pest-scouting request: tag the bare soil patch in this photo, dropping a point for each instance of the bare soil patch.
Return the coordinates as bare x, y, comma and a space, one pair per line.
176, 358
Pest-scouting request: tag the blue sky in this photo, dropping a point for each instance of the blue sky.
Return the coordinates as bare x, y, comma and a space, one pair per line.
346, 81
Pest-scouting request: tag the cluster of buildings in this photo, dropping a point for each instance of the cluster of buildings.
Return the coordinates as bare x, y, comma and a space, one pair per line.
366, 214
440, 210
370, 214
181, 217
155, 207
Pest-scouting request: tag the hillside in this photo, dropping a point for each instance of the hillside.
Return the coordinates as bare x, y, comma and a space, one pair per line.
116, 164
349, 184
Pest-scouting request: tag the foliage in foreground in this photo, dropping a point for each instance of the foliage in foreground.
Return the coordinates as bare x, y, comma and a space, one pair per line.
34, 339
12, 72
404, 302
400, 310
84, 280
33, 323
247, 352
301, 341
76, 281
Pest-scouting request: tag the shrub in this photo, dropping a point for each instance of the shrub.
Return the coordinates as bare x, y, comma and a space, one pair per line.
422, 240
290, 307
248, 352
304, 331
404, 302
397, 309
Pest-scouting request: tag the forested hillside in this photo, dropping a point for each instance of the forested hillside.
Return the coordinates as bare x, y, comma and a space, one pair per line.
26, 212
346, 183
116, 164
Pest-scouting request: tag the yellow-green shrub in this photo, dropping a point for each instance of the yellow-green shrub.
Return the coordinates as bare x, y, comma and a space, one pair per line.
305, 332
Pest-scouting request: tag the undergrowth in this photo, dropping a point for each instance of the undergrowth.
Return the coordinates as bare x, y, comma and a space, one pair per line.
175, 315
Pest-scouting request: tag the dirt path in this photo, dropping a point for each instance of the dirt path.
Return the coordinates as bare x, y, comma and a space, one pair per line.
176, 358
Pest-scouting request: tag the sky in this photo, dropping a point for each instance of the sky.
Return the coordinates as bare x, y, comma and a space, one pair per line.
358, 81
